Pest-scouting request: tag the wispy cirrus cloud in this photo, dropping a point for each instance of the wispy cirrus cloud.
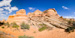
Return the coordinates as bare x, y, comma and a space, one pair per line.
64, 7
31, 8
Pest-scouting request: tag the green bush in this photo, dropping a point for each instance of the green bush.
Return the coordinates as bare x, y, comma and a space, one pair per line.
25, 37
25, 26
69, 29
2, 27
14, 25
43, 28
43, 25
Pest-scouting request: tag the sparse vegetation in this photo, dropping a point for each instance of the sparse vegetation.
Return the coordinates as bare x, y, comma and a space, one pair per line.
14, 25
25, 26
70, 29
7, 24
70, 22
25, 36
3, 27
34, 32
43, 28
74, 24
43, 25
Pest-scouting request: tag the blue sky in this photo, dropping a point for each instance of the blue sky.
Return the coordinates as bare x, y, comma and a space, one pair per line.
65, 8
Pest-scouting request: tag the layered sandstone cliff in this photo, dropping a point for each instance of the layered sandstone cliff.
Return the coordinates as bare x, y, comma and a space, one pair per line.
48, 17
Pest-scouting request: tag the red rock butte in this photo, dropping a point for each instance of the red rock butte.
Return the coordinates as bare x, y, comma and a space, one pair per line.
21, 16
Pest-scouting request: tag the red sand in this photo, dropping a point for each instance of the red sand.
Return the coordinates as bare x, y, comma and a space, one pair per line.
55, 33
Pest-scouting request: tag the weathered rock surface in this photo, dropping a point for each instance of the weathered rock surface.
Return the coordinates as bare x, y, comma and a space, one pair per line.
48, 17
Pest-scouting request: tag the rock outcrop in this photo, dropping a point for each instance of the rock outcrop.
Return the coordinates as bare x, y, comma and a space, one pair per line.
21, 12
37, 13
48, 17
18, 17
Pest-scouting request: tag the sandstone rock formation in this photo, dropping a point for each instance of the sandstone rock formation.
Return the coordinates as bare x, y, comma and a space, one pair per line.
18, 17
21, 12
37, 13
48, 17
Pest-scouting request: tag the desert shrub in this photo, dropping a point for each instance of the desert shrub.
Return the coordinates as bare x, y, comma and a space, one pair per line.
42, 28
7, 24
34, 32
2, 27
69, 29
1, 23
25, 26
70, 22
25, 36
43, 25
14, 25
74, 24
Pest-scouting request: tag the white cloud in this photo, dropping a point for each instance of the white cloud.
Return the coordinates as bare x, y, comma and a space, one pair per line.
1, 18
30, 8
69, 16
5, 3
14, 8
1, 9
6, 8
2, 14
65, 7
10, 9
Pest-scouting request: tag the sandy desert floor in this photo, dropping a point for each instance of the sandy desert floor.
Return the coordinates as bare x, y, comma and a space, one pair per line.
55, 33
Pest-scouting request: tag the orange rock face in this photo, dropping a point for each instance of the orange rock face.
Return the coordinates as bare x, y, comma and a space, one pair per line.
30, 14
21, 15
50, 12
21, 12
37, 12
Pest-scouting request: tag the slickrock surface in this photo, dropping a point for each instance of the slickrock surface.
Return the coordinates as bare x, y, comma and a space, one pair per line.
48, 17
